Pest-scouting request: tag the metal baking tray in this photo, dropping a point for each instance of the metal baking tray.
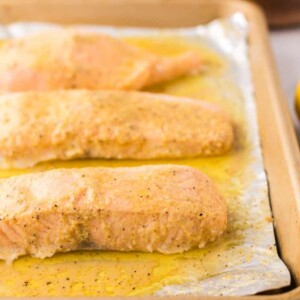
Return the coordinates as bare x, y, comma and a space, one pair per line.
280, 148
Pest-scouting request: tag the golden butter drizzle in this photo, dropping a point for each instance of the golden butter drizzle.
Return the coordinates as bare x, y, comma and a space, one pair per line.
107, 273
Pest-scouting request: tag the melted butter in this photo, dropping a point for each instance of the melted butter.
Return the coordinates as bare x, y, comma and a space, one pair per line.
106, 273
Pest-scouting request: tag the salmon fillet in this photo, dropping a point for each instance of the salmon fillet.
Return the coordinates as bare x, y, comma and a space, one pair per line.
65, 59
164, 208
42, 126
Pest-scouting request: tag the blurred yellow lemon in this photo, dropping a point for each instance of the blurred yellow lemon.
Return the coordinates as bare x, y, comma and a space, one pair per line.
297, 100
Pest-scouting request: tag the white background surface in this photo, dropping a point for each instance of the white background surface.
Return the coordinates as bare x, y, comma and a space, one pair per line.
286, 48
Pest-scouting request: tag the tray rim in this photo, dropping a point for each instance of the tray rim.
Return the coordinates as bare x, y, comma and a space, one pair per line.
279, 106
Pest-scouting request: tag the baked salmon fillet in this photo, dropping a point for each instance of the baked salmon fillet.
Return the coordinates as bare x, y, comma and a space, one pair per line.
66, 59
164, 208
62, 125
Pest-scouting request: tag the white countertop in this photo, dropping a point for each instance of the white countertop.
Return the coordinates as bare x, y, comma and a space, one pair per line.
286, 47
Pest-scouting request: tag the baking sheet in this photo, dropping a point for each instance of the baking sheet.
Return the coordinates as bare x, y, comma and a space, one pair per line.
244, 261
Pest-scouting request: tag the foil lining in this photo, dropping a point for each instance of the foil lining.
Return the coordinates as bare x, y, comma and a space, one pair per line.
264, 270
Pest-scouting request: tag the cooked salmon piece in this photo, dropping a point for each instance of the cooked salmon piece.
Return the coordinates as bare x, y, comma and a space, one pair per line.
62, 125
164, 208
66, 59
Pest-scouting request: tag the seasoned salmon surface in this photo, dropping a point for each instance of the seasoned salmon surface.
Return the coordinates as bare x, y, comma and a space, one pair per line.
66, 59
41, 126
165, 208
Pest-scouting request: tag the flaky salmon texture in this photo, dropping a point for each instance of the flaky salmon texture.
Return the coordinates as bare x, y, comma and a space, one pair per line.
164, 208
41, 126
66, 59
